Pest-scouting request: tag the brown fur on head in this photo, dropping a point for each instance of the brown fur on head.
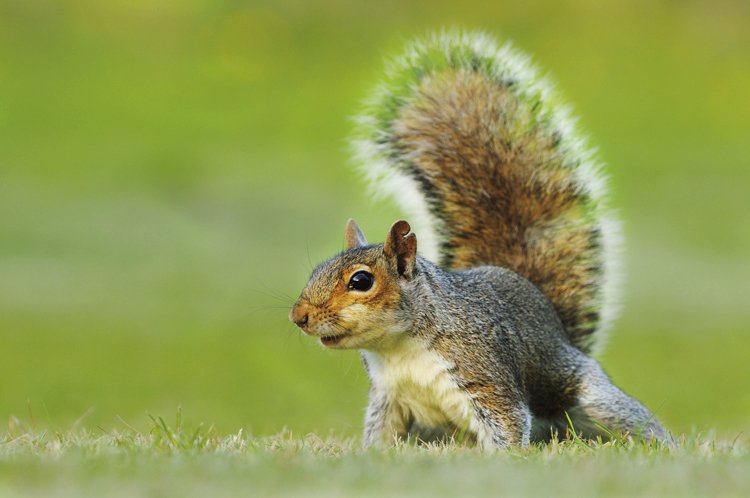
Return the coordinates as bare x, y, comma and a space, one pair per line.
338, 306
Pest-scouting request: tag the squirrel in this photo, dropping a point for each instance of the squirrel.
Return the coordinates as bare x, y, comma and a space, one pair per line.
493, 341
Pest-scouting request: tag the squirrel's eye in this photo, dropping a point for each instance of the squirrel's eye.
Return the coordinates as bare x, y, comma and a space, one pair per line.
361, 281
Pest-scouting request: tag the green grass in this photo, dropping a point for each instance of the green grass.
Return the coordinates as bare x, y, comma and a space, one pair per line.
172, 460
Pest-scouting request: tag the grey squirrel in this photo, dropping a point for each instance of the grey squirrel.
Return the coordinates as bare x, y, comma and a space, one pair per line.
493, 341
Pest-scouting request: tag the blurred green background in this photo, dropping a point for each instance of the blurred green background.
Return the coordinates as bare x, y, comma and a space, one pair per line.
171, 170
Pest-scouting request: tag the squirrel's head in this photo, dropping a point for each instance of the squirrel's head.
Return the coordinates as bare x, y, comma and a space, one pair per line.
354, 299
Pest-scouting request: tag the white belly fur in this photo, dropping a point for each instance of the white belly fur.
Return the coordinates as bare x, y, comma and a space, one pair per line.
417, 380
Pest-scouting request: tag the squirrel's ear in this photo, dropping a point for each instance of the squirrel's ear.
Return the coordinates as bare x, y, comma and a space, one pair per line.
402, 245
354, 236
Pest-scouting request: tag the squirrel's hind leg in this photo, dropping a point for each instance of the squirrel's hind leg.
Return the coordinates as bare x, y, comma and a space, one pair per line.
601, 402
501, 417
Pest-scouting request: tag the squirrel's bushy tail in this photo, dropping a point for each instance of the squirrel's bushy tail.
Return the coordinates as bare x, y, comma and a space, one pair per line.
474, 145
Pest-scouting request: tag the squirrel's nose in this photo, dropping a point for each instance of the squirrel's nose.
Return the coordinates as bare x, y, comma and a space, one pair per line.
301, 322
299, 316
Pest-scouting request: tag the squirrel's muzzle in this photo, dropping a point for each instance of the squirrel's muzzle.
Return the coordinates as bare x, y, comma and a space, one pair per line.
299, 315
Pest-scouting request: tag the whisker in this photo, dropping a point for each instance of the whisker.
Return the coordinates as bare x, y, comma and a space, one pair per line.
275, 294
268, 307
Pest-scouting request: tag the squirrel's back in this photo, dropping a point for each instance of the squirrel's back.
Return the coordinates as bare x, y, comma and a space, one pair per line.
476, 147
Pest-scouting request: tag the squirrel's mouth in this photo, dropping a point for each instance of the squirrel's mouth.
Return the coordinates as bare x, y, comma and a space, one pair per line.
331, 340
